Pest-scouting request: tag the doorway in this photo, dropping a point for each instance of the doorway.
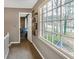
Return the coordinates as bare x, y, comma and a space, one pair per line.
23, 28
25, 23
22, 22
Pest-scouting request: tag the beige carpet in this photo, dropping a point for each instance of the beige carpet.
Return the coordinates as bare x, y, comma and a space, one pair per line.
24, 50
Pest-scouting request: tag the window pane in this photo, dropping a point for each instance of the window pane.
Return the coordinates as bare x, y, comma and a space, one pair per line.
56, 33
41, 31
68, 11
49, 4
56, 27
49, 8
43, 27
49, 13
70, 23
56, 14
45, 35
62, 27
56, 3
49, 37
63, 13
68, 44
56, 39
66, 1
59, 2
48, 27
44, 9
49, 16
44, 17
44, 30
67, 30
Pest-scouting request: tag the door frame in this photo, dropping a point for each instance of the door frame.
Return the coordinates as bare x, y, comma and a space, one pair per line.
19, 24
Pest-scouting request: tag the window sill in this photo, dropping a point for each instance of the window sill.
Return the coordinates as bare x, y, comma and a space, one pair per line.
59, 51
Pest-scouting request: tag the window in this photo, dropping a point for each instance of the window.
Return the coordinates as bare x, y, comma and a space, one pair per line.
57, 24
56, 3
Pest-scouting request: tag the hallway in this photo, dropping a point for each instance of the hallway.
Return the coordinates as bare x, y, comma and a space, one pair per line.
24, 50
48, 25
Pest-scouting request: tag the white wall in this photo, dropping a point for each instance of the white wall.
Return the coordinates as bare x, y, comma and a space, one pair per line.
11, 22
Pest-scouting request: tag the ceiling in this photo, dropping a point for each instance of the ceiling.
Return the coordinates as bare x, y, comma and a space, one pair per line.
19, 3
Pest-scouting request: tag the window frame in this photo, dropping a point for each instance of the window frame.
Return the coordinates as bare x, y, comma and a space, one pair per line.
56, 33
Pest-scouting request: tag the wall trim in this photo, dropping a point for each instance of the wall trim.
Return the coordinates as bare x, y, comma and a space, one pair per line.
13, 43
38, 51
19, 24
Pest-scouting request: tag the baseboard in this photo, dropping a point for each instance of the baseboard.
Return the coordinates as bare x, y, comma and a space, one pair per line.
38, 51
29, 40
13, 43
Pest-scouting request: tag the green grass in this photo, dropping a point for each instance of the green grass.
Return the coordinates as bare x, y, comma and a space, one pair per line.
56, 38
52, 38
